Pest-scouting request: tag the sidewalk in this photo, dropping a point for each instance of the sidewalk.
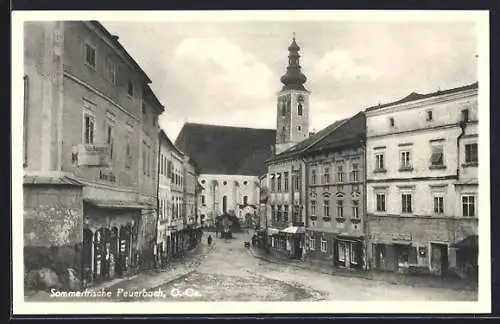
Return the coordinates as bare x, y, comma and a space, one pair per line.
389, 277
149, 279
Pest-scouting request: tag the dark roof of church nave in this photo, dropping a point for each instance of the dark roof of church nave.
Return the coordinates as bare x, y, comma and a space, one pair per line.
338, 134
226, 149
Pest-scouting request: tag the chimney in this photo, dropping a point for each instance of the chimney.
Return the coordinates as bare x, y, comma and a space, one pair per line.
115, 37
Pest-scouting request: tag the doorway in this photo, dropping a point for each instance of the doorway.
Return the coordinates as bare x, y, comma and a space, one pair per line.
439, 258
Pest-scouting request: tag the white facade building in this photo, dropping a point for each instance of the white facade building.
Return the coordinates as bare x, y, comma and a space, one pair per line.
422, 183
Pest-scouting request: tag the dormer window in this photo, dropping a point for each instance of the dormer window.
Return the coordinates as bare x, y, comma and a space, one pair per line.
391, 122
465, 115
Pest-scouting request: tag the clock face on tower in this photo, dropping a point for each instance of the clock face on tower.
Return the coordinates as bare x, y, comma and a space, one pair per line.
300, 99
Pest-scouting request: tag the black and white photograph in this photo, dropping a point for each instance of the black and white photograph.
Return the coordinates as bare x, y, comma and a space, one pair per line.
251, 162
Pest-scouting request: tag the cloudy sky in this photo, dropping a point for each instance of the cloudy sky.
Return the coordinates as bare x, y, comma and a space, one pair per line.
228, 73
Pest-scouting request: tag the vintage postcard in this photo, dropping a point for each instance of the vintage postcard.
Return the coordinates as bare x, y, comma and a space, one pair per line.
251, 162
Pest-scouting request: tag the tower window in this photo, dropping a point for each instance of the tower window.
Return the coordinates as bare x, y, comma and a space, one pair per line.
429, 115
299, 109
299, 128
391, 122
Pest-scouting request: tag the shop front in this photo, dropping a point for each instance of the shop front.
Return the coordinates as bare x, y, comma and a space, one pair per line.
348, 252
109, 239
294, 241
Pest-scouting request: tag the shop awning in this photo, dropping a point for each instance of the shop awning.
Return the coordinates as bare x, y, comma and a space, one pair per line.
467, 243
271, 231
115, 204
293, 230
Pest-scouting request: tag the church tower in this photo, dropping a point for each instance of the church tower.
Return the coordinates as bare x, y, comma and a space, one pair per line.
292, 125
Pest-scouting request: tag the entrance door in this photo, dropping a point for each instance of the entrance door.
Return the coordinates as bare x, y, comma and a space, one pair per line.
296, 248
87, 255
439, 258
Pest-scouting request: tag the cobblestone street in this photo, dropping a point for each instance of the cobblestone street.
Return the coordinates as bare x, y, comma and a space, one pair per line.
227, 271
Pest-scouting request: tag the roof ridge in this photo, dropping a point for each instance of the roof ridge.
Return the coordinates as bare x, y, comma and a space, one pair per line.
228, 126
341, 122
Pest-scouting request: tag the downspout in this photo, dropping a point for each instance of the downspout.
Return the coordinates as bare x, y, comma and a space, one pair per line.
462, 124
306, 202
366, 228
157, 201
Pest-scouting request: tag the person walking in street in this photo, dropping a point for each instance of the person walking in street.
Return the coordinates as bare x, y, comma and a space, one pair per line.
209, 240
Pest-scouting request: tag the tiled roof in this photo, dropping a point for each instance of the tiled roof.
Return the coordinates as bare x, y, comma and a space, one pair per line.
338, 134
353, 130
417, 96
164, 138
50, 180
226, 149
300, 147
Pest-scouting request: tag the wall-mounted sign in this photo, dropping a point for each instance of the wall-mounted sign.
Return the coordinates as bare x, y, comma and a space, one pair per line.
91, 154
401, 237
107, 175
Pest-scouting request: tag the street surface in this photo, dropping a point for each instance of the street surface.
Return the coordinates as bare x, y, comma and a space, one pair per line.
227, 271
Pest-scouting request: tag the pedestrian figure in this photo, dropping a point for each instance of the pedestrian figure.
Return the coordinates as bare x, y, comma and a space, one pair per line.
254, 239
209, 240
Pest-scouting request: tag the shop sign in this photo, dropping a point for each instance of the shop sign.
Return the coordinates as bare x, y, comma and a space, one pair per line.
91, 154
401, 237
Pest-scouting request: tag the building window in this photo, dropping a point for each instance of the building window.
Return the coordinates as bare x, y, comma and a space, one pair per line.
278, 177
469, 205
355, 208
170, 174
278, 213
88, 128
313, 176
437, 155
340, 173
128, 154
326, 208
130, 91
245, 200
405, 160
273, 183
340, 208
224, 183
203, 202
224, 204
326, 175
299, 128
144, 158
285, 213
25, 118
471, 153
429, 115
273, 213
379, 161
391, 122
323, 244
109, 139
406, 207
313, 207
90, 56
285, 175
381, 202
296, 181
438, 204
299, 109
110, 70
312, 242
354, 171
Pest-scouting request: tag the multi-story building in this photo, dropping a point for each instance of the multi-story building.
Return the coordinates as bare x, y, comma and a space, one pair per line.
88, 176
190, 201
422, 184
172, 220
335, 194
230, 160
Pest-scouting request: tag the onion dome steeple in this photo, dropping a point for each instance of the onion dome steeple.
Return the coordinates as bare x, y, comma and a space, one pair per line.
293, 78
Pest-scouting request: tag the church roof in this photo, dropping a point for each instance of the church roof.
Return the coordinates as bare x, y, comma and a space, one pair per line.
227, 149
418, 96
338, 134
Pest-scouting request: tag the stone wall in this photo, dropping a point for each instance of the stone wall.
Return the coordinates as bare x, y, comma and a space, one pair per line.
53, 230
